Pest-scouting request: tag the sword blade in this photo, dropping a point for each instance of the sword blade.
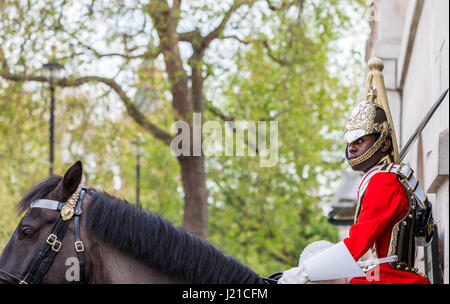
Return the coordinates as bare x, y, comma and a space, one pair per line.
389, 259
421, 126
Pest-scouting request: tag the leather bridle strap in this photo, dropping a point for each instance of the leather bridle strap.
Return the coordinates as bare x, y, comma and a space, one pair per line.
53, 243
9, 278
79, 246
47, 253
47, 204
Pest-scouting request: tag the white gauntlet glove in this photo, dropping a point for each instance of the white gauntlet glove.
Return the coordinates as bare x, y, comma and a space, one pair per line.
322, 262
296, 275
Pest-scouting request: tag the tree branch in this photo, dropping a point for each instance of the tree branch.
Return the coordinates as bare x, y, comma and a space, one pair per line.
132, 110
284, 5
176, 9
165, 22
148, 54
219, 29
236, 38
226, 118
273, 57
188, 36
199, 45
218, 113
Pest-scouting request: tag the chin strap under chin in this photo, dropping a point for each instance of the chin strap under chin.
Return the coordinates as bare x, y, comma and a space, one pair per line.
369, 153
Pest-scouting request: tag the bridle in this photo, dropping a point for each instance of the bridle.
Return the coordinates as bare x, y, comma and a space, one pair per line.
41, 265
68, 210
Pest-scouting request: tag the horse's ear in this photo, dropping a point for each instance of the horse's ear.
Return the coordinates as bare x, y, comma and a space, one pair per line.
72, 178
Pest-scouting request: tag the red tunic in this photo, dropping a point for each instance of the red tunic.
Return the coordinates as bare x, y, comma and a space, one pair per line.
383, 205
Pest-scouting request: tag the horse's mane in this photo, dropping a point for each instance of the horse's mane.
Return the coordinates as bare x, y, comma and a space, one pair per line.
38, 191
161, 245
152, 239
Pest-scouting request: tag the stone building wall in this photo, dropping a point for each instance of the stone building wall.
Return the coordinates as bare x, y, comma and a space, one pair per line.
412, 38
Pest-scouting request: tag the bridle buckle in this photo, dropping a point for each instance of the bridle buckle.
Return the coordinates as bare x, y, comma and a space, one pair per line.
42, 262
79, 247
52, 239
56, 246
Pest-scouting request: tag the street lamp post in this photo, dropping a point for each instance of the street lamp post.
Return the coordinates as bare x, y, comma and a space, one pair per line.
52, 66
137, 141
138, 177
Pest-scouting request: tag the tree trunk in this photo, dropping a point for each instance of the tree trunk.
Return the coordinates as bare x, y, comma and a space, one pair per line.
193, 176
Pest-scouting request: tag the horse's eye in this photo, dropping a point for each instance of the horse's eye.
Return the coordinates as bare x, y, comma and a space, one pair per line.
27, 232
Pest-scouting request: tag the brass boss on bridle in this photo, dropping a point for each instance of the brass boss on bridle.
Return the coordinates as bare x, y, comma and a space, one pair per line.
41, 264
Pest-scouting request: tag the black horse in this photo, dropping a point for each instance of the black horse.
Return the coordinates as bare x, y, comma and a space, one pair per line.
115, 242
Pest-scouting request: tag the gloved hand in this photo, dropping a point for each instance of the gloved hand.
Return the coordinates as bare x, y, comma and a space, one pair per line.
298, 275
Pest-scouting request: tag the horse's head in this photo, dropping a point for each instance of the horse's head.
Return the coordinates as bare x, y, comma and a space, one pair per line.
34, 230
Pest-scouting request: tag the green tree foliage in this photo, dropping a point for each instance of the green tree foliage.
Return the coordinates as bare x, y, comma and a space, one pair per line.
273, 61
270, 214
21, 150
85, 129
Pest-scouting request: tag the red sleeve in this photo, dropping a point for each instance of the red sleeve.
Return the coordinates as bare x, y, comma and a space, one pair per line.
384, 203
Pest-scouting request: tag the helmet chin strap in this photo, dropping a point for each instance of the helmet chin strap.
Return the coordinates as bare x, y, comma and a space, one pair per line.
369, 153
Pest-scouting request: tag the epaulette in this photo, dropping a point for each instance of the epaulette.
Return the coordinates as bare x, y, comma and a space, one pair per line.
386, 168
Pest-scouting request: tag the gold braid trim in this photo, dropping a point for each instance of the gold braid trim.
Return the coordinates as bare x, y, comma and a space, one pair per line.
369, 153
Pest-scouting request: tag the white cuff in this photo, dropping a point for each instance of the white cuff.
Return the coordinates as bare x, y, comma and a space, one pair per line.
333, 263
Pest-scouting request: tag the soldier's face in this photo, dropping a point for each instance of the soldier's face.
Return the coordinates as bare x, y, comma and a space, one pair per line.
360, 146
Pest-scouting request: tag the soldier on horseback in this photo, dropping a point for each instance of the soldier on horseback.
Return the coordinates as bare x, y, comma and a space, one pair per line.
393, 214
